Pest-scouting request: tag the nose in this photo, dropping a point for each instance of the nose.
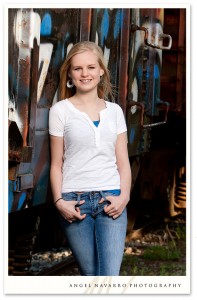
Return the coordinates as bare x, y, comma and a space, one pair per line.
84, 72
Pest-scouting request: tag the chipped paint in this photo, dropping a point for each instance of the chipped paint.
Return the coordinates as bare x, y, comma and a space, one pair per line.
39, 41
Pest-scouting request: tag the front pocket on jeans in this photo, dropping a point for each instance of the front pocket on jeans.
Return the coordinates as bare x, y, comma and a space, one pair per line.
69, 196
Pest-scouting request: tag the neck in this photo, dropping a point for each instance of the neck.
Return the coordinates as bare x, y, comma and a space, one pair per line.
87, 98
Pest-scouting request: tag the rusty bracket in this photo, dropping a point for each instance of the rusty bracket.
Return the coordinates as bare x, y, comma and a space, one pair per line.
22, 155
162, 36
132, 103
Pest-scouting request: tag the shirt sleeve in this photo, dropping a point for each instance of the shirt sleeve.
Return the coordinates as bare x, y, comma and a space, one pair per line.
56, 121
121, 123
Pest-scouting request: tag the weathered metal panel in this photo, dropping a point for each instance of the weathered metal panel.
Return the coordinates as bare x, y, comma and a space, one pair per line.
144, 77
39, 40
124, 59
106, 28
85, 27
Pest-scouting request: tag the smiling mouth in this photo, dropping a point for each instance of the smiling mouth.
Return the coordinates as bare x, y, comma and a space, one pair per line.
85, 80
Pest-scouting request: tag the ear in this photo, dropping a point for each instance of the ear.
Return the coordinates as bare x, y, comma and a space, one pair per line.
101, 72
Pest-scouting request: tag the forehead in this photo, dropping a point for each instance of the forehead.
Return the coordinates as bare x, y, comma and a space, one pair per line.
86, 57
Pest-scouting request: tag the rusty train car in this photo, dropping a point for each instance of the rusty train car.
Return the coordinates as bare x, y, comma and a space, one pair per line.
133, 42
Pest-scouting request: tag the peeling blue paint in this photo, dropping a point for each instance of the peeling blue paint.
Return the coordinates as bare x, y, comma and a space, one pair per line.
21, 200
131, 135
156, 71
11, 188
58, 55
46, 25
41, 188
140, 72
64, 46
117, 25
148, 72
12, 76
63, 28
104, 26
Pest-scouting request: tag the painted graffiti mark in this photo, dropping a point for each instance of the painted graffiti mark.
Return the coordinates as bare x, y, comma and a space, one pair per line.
46, 25
26, 28
117, 25
55, 31
104, 26
44, 61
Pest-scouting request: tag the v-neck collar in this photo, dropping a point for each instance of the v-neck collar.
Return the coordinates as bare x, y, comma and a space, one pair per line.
78, 110
72, 106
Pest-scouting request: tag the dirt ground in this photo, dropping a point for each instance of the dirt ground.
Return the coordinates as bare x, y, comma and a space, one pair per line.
158, 250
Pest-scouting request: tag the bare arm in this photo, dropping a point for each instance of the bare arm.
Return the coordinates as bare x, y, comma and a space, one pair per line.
118, 203
57, 152
66, 208
123, 166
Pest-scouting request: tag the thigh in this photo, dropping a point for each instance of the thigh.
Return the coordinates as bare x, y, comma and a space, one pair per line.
110, 240
80, 237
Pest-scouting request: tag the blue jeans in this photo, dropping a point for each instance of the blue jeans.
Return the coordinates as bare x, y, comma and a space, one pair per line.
97, 242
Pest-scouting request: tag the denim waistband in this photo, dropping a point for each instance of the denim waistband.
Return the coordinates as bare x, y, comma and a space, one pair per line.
115, 192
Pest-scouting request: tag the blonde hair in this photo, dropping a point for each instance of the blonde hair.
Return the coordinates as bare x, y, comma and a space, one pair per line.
104, 87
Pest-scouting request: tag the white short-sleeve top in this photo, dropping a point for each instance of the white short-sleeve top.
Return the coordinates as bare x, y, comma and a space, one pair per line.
89, 151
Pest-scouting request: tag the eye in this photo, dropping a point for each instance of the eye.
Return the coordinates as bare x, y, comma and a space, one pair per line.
91, 67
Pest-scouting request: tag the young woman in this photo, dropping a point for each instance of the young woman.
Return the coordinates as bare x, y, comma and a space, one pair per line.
90, 170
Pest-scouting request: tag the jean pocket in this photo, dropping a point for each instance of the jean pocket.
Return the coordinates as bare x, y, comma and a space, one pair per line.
69, 196
112, 193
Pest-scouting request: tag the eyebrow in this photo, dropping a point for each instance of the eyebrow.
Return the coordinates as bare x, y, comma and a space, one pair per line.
88, 66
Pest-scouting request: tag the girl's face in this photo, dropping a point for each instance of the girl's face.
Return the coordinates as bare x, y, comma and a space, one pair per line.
85, 71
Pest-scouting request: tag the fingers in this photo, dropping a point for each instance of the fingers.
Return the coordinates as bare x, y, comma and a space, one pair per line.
106, 198
72, 211
78, 215
81, 217
102, 200
113, 209
79, 202
74, 218
116, 216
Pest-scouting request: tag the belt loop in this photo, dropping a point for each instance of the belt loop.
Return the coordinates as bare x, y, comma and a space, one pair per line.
102, 195
78, 198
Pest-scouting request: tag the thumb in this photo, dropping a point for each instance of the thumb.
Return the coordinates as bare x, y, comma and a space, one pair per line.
79, 202
102, 200
108, 198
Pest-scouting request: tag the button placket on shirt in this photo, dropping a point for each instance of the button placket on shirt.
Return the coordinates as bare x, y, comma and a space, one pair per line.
96, 129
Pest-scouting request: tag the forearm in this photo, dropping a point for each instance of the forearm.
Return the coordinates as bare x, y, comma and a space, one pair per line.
125, 180
118, 203
56, 181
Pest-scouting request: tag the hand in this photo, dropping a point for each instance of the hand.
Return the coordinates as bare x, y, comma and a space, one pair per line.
116, 207
69, 210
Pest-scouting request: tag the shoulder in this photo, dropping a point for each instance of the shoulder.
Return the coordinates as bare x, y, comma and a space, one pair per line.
60, 109
114, 107
58, 106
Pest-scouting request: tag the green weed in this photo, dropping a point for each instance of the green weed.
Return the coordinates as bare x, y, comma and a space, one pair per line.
162, 252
